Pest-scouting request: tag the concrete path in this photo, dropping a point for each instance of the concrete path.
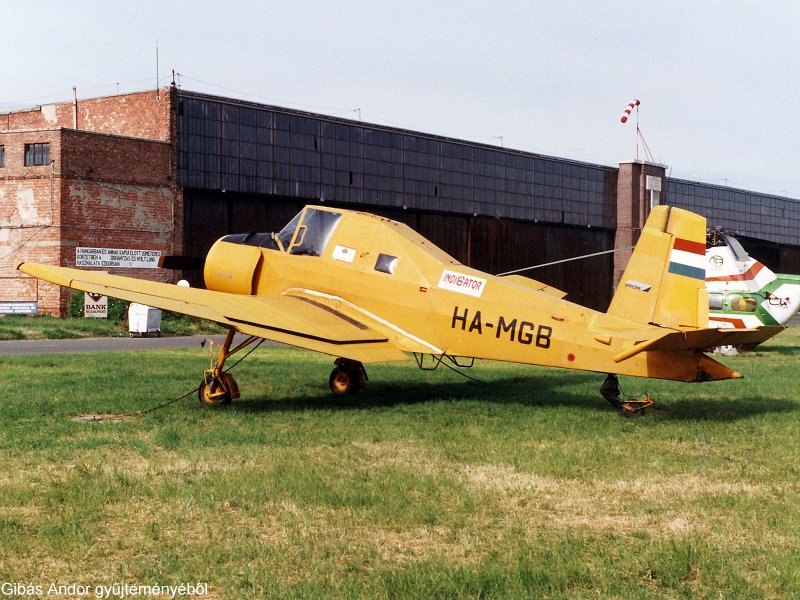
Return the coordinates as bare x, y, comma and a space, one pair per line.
16, 347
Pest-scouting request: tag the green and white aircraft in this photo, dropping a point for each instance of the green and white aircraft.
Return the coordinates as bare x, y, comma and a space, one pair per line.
742, 292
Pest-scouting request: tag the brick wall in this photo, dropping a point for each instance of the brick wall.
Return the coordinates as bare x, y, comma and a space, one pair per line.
109, 215
143, 114
103, 157
14, 144
29, 217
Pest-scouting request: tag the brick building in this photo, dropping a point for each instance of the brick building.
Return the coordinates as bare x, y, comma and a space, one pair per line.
169, 171
91, 174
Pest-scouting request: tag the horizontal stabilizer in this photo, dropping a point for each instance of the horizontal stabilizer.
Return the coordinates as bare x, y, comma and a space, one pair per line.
700, 339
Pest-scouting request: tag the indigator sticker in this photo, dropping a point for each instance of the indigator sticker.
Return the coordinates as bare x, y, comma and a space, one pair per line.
688, 258
463, 284
344, 254
638, 285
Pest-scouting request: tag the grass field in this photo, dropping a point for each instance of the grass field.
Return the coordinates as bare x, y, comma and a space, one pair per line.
424, 486
41, 328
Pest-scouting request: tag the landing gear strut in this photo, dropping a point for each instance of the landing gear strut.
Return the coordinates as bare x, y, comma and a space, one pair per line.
631, 407
218, 387
349, 376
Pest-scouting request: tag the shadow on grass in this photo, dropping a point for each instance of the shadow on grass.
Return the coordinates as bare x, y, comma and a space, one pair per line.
773, 350
723, 409
536, 392
540, 391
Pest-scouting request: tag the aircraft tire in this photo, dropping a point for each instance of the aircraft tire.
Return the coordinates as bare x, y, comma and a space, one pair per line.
348, 377
206, 388
340, 382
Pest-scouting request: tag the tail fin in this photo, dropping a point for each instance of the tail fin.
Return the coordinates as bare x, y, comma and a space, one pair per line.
664, 282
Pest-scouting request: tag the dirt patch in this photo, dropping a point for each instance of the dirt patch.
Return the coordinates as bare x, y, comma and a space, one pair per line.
107, 418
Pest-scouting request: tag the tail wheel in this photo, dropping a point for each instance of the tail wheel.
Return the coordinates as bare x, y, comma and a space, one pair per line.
348, 377
217, 391
633, 407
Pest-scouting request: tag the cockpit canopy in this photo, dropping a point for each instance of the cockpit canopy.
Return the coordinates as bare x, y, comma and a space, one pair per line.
307, 233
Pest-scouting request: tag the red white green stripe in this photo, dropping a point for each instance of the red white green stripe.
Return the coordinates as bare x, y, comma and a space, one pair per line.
688, 258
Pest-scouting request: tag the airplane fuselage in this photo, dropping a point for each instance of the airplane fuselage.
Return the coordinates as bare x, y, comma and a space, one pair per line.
385, 268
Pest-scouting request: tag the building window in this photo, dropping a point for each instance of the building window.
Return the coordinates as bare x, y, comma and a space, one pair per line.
715, 301
741, 303
37, 154
2, 156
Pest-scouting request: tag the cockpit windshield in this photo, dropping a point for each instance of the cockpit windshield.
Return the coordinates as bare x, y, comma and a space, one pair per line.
286, 234
309, 232
738, 250
717, 237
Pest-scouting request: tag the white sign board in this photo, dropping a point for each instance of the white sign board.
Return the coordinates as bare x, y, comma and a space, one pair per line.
119, 258
653, 183
95, 305
19, 308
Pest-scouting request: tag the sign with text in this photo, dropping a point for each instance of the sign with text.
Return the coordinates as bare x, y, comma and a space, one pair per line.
19, 308
463, 284
95, 305
118, 258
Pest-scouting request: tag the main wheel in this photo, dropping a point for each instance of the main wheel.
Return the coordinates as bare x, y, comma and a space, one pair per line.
340, 381
213, 392
349, 377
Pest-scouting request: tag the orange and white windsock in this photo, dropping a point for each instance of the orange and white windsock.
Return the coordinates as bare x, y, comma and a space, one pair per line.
626, 114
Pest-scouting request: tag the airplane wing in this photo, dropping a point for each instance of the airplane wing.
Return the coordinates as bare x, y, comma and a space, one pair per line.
315, 322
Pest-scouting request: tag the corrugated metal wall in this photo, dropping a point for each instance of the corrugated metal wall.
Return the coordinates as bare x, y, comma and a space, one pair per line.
255, 149
749, 214
247, 167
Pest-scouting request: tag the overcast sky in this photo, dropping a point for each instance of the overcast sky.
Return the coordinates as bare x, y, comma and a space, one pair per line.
718, 80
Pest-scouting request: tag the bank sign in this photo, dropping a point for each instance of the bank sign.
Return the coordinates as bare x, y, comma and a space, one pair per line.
116, 258
95, 305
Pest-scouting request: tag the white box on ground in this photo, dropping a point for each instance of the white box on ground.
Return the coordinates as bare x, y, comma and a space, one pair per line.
143, 319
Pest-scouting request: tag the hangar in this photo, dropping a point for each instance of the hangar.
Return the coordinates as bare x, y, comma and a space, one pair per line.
113, 182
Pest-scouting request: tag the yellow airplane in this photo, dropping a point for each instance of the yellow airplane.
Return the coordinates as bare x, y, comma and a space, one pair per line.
366, 289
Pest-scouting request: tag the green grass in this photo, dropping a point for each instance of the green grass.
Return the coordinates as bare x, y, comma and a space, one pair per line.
425, 485
44, 327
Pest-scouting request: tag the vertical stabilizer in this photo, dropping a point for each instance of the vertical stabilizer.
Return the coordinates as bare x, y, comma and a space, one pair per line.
664, 282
